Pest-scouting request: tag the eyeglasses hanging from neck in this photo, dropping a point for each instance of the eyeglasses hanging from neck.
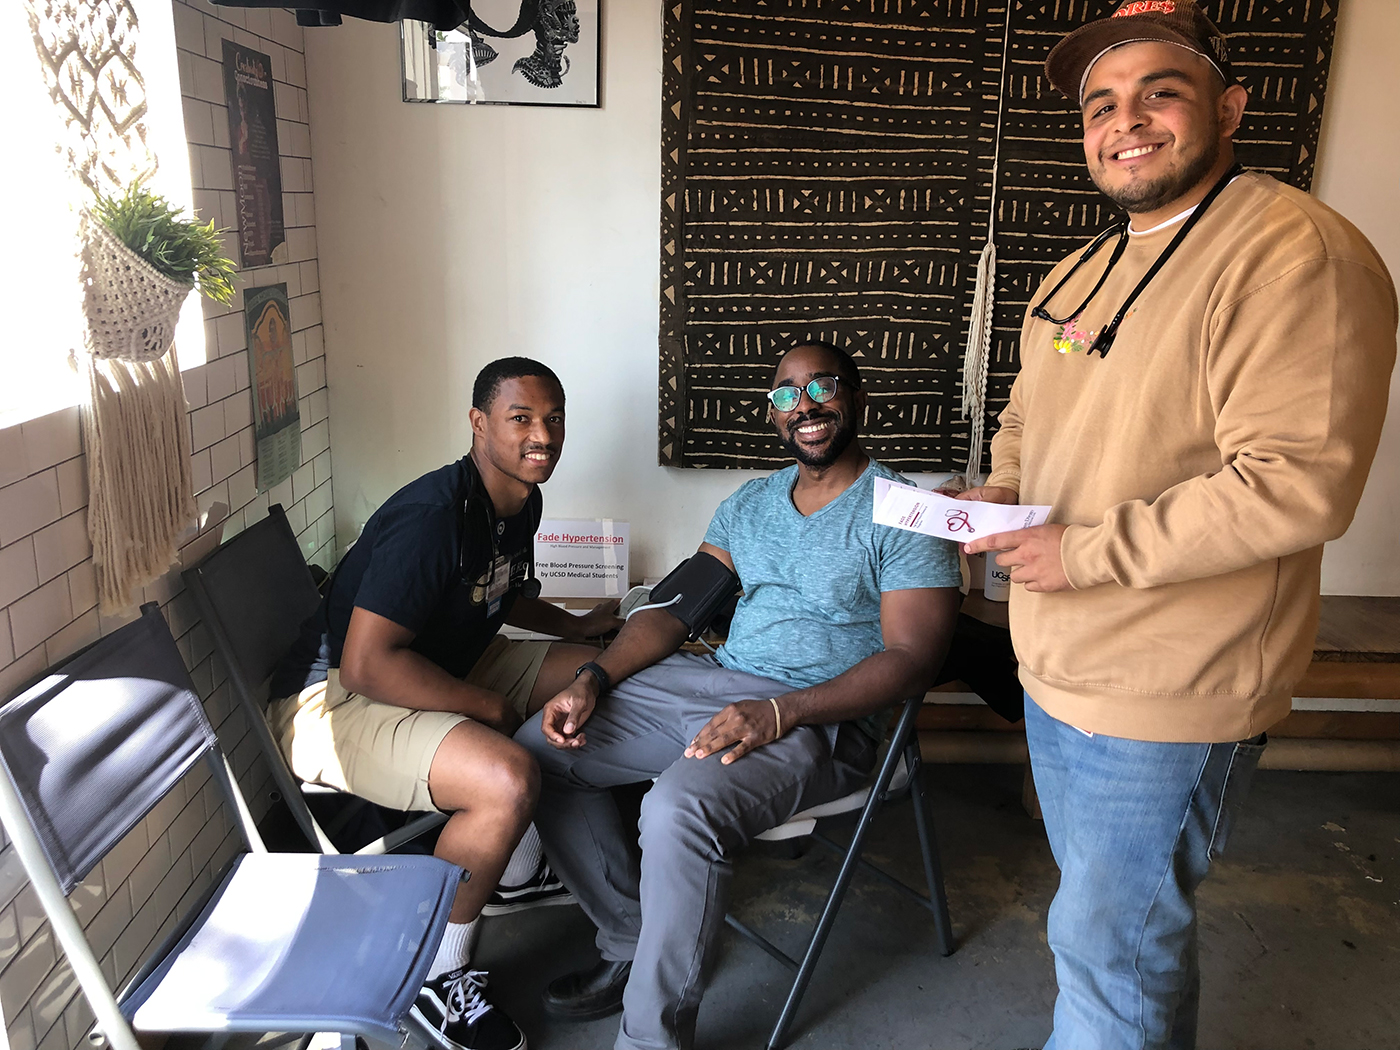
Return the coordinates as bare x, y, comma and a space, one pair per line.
1103, 342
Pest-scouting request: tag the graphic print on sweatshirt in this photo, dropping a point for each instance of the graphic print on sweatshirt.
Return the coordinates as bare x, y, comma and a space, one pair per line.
1069, 338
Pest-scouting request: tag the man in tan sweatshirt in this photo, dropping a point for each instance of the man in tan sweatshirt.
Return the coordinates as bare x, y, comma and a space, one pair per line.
1200, 432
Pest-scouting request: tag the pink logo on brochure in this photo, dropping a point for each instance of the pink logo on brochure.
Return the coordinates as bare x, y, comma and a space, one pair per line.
957, 521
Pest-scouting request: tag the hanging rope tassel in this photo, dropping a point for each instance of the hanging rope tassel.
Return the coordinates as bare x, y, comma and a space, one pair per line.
975, 360
139, 483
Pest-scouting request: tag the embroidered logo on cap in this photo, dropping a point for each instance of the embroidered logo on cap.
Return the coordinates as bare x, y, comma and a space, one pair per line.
1142, 7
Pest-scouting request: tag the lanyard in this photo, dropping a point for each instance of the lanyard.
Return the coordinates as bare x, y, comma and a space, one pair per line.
530, 586
1104, 341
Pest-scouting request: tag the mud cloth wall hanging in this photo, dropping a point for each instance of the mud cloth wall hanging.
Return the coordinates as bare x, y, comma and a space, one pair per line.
827, 172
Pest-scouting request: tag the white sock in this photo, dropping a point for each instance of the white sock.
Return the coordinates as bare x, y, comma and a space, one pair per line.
455, 951
525, 861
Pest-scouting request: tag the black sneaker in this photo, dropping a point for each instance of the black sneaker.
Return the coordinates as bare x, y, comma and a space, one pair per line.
540, 891
454, 1008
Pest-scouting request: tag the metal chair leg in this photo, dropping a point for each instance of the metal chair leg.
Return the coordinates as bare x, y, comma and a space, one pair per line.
928, 846
761, 941
848, 866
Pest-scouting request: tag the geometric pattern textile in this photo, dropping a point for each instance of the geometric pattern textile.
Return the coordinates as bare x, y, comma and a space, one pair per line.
87, 49
831, 169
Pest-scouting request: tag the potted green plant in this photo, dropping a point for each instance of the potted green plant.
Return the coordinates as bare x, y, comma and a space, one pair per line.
142, 259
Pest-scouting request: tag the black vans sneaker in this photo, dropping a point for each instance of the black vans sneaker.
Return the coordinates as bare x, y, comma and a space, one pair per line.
454, 1007
539, 891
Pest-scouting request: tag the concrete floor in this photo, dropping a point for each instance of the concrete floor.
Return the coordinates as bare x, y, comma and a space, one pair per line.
1300, 931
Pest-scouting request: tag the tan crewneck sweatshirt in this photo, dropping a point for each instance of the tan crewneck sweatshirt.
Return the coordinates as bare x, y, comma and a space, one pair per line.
1200, 465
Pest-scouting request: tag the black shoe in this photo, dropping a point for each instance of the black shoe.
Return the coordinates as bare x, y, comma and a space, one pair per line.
588, 994
539, 891
453, 1007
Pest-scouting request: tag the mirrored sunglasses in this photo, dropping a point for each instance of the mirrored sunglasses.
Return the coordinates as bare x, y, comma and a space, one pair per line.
820, 390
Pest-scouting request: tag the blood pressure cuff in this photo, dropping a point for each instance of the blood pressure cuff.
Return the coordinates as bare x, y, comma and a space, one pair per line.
705, 586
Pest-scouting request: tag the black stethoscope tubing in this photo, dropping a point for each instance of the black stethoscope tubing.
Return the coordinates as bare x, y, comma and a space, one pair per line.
1104, 341
529, 587
1121, 229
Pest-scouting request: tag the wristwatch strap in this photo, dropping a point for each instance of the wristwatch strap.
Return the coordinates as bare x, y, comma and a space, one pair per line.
604, 682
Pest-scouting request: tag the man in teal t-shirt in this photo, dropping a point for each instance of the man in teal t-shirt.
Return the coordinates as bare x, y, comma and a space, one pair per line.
840, 619
811, 603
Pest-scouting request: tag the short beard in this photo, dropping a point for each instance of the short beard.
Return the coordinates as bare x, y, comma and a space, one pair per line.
1140, 197
840, 440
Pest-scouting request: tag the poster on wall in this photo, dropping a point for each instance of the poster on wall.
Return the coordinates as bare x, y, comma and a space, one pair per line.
276, 417
582, 559
508, 52
257, 172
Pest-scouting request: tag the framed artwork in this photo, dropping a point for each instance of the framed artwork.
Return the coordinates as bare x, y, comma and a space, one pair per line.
508, 52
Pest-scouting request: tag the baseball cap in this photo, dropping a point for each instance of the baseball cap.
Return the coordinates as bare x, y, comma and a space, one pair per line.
1180, 22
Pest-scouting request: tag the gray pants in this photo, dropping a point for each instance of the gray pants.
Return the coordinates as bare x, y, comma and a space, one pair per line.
666, 914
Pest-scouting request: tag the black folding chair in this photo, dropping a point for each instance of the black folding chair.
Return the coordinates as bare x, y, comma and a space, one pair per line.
282, 942
900, 767
254, 593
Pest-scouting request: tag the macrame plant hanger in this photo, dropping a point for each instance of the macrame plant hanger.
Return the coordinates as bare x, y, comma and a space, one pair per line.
978, 354
135, 423
135, 427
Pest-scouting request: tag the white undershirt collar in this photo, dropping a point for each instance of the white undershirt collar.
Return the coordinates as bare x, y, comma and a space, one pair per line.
1169, 222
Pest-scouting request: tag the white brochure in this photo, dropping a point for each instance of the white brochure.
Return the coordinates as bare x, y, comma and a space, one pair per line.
915, 510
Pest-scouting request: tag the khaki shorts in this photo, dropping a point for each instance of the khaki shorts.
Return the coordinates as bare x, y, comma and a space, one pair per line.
383, 752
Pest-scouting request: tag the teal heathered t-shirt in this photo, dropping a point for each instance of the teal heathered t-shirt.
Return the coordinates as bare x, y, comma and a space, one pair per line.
812, 585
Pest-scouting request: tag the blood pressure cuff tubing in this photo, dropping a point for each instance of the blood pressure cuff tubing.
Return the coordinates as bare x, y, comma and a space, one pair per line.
705, 585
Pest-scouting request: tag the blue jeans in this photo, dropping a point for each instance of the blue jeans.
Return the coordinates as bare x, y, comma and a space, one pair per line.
1134, 826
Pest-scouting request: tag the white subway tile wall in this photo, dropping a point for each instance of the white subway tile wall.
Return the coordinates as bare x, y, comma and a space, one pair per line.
48, 593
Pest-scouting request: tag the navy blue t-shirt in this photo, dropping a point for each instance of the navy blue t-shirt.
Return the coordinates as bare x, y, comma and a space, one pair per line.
408, 566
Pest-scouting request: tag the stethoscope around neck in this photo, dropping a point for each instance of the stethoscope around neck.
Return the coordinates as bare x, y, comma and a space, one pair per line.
530, 586
1103, 342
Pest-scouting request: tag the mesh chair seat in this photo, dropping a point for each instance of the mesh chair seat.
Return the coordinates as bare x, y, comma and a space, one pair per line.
301, 940
805, 822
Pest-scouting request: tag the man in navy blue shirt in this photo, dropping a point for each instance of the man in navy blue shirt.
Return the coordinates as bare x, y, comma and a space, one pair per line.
401, 691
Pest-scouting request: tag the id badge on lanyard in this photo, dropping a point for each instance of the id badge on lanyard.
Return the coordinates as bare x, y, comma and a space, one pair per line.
500, 583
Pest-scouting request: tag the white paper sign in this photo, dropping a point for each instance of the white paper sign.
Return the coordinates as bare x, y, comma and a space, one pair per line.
933, 514
582, 559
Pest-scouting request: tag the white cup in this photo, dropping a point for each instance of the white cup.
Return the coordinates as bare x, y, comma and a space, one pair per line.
997, 586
